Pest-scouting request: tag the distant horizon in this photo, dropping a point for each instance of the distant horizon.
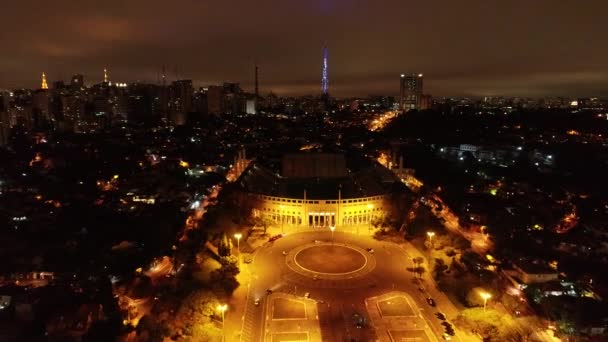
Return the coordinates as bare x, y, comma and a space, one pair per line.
264, 91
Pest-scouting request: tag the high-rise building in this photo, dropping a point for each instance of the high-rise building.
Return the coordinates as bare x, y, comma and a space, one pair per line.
234, 99
41, 108
424, 102
410, 91
58, 85
215, 100
5, 128
5, 124
181, 96
250, 106
77, 82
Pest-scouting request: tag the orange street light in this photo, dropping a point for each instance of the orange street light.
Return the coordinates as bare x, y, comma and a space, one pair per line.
485, 297
222, 309
430, 235
238, 237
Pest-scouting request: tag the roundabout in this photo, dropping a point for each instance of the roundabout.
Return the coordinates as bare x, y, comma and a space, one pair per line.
330, 259
342, 275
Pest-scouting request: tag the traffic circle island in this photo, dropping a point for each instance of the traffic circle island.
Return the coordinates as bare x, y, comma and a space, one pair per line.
330, 261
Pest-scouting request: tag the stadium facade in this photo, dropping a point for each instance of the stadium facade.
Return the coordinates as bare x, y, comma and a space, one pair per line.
319, 190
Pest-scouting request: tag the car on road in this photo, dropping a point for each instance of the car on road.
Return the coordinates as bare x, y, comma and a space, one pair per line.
447, 337
358, 320
449, 329
431, 301
370, 250
318, 241
274, 238
284, 253
307, 295
257, 302
268, 291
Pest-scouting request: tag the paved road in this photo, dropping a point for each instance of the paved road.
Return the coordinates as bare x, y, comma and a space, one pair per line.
338, 299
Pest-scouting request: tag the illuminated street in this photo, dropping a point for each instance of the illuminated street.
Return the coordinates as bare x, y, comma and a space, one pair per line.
341, 290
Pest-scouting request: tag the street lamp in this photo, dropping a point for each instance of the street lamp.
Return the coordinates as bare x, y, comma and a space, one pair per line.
332, 228
238, 237
485, 297
281, 216
430, 235
222, 309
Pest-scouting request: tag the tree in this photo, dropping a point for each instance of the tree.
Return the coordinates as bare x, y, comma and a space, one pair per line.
490, 324
523, 330
224, 246
474, 297
418, 260
205, 332
419, 270
149, 327
263, 221
197, 308
440, 268
225, 277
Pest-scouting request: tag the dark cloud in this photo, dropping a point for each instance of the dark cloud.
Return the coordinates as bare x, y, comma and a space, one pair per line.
467, 47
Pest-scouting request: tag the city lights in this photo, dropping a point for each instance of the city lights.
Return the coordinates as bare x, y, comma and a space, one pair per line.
485, 296
456, 176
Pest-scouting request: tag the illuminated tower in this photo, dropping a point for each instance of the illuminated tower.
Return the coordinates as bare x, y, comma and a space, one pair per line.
410, 91
105, 75
325, 79
44, 85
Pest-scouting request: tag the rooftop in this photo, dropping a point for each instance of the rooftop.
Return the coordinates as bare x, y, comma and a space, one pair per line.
330, 174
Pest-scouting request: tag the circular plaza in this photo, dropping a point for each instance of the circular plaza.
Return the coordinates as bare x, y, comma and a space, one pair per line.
330, 259
326, 260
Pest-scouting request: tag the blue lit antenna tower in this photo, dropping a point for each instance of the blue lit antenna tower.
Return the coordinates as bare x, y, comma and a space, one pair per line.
325, 79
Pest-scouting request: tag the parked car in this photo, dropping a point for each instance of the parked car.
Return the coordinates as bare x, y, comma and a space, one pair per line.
358, 320
257, 302
276, 237
430, 301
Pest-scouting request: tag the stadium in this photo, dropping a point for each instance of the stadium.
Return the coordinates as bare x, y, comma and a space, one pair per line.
318, 190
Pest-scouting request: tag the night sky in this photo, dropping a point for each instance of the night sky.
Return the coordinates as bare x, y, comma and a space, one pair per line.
474, 48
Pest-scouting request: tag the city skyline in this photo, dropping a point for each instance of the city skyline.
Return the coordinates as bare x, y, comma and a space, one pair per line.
515, 49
